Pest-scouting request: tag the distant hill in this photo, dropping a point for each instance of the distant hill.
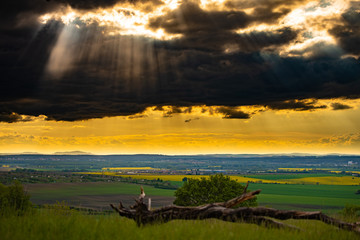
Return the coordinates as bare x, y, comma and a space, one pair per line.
72, 153
23, 153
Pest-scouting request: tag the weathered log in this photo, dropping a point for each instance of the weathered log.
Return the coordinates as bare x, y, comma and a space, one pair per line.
223, 211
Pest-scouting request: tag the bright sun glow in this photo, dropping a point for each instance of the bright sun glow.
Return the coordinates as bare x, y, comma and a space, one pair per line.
122, 19
306, 20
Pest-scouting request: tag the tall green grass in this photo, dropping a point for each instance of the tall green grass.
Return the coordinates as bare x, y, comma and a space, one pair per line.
58, 224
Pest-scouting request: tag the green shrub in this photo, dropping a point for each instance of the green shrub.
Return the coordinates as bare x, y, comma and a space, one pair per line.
14, 200
218, 188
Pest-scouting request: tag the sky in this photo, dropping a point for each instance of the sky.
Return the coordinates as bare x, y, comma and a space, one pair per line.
180, 76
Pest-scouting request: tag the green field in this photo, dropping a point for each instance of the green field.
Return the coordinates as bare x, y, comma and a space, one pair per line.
337, 191
327, 198
54, 191
291, 175
53, 225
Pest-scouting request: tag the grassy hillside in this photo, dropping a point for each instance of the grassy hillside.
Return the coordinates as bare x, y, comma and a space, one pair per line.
53, 224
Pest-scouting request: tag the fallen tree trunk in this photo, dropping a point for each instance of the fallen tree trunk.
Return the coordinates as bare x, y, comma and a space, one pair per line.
223, 211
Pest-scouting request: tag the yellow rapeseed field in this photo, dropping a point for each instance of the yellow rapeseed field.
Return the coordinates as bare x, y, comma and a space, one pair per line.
302, 169
295, 169
129, 168
344, 180
311, 169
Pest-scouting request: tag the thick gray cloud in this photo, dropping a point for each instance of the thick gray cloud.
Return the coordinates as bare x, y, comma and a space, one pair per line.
94, 4
340, 106
13, 117
348, 33
23, 12
108, 81
213, 30
295, 105
267, 11
230, 112
189, 18
122, 75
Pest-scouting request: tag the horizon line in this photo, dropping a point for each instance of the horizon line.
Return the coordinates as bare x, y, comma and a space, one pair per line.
74, 153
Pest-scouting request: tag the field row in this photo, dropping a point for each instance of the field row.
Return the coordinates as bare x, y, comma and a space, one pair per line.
317, 180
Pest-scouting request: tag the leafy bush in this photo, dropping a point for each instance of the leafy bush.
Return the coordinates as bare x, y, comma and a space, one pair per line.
13, 199
218, 188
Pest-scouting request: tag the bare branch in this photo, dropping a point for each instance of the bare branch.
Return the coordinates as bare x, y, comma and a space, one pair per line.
242, 198
246, 186
223, 211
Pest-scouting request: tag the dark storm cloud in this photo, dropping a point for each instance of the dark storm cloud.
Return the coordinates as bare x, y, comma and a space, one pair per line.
340, 106
123, 75
267, 11
25, 12
101, 83
348, 33
213, 30
93, 4
88, 4
189, 18
295, 105
269, 4
13, 117
22, 59
255, 41
320, 50
172, 110
231, 41
232, 113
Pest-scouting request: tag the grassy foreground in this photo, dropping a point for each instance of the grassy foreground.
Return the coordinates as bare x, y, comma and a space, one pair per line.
49, 224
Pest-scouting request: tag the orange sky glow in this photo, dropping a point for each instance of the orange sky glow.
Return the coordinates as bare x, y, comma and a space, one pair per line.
201, 131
